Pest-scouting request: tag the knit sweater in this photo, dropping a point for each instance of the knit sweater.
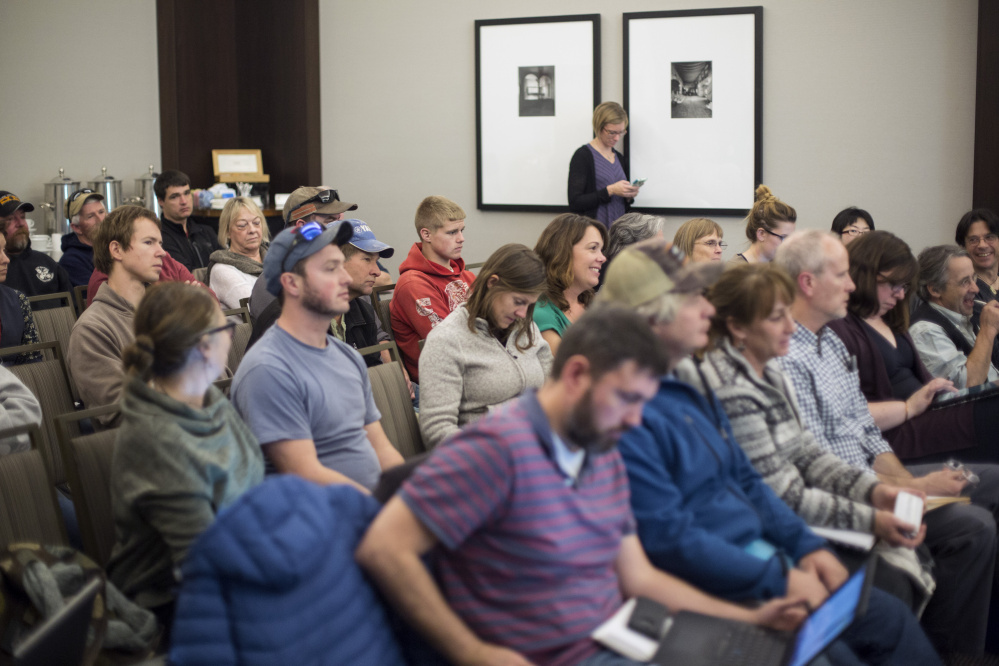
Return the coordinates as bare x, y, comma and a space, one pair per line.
817, 485
95, 345
464, 374
174, 468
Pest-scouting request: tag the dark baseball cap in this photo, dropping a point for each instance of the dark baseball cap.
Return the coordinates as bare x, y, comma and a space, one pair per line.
9, 203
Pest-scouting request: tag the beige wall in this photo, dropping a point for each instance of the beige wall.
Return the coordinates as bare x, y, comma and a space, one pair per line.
866, 103
80, 92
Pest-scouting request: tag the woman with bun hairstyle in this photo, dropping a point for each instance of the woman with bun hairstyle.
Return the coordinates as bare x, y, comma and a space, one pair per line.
488, 350
182, 453
770, 221
572, 248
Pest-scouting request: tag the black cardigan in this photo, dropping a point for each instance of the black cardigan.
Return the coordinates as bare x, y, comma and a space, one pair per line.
584, 198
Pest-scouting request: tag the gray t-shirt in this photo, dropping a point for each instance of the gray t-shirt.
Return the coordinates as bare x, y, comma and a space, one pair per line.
286, 389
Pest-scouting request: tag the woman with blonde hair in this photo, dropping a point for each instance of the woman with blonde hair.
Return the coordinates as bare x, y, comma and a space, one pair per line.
700, 239
598, 173
488, 350
571, 247
769, 222
243, 232
183, 454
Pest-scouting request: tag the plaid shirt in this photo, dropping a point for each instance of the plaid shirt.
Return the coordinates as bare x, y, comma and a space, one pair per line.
824, 376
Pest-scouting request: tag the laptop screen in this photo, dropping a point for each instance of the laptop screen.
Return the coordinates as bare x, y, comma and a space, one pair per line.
829, 620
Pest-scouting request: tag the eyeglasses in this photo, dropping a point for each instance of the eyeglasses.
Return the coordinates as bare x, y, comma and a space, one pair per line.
975, 240
712, 244
896, 289
229, 328
854, 232
306, 233
621, 133
307, 207
782, 237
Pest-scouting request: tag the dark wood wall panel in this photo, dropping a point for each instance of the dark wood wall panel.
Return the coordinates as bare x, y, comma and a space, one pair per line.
986, 180
240, 74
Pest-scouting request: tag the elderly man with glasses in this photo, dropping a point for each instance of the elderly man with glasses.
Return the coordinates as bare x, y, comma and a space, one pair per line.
951, 342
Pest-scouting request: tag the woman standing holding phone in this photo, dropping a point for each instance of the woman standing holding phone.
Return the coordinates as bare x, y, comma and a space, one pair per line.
598, 174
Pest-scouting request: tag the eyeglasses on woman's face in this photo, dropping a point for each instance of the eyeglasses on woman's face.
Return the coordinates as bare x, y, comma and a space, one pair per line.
229, 328
898, 290
782, 237
712, 244
615, 134
854, 232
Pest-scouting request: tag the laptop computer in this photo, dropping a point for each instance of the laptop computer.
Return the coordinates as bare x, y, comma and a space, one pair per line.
696, 640
62, 638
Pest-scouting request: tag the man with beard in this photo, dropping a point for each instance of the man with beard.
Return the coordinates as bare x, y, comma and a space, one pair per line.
31, 272
85, 212
305, 394
530, 506
704, 514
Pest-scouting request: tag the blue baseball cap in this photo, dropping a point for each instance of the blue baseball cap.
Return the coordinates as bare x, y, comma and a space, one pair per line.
294, 244
364, 239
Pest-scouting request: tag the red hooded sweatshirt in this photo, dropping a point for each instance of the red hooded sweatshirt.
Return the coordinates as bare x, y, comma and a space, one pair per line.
424, 295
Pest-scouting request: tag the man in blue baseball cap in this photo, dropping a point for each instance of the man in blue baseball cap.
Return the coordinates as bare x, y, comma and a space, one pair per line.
359, 326
304, 393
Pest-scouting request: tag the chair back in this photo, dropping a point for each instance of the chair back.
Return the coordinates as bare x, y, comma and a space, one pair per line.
201, 275
28, 507
243, 312
240, 337
380, 299
49, 381
87, 459
80, 298
55, 324
388, 387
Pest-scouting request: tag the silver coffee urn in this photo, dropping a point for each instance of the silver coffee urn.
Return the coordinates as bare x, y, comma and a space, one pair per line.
144, 194
57, 192
109, 187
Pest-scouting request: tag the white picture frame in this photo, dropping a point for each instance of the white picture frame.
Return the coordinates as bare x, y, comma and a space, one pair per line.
527, 128
698, 141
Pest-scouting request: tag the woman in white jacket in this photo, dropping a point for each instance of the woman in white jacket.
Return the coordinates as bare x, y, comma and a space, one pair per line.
488, 350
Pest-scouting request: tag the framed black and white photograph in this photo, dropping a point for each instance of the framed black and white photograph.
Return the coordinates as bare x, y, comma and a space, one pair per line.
693, 83
537, 81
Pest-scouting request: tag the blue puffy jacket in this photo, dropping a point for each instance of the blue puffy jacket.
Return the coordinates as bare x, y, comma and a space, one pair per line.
273, 581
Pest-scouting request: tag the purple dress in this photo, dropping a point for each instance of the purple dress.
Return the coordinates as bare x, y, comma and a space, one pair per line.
608, 174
